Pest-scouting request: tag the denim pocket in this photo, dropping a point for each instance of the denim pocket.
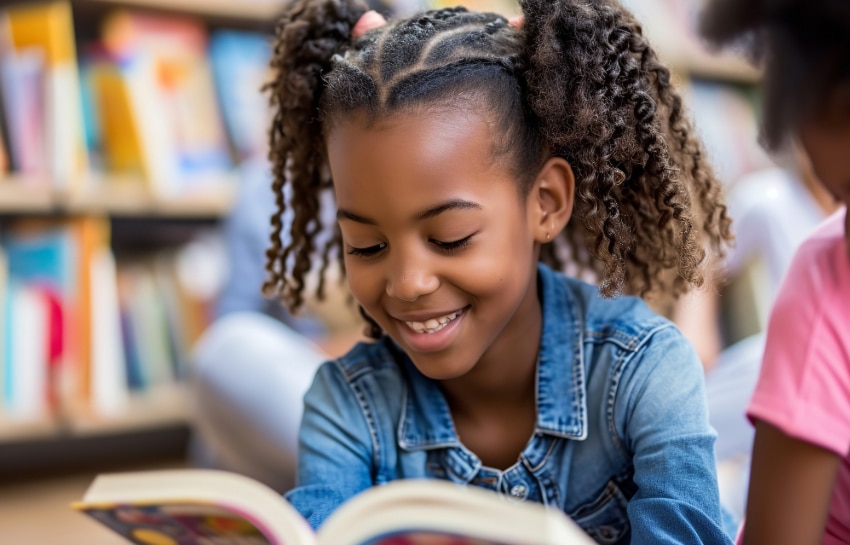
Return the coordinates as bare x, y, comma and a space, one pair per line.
605, 517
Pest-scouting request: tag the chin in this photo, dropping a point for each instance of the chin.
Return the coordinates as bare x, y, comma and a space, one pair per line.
435, 369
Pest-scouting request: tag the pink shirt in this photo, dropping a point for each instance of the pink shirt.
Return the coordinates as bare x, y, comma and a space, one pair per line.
804, 385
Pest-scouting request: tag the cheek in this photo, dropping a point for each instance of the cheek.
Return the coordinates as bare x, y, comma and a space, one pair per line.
362, 285
827, 151
500, 268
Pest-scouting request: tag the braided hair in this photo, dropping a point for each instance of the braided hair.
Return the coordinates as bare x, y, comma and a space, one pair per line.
578, 81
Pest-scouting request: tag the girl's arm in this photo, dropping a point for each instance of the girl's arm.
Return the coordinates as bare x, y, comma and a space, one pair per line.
790, 489
663, 427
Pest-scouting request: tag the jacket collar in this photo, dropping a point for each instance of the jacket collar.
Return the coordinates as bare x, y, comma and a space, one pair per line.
426, 421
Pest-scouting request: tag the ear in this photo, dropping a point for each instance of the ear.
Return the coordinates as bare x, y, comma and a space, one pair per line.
550, 200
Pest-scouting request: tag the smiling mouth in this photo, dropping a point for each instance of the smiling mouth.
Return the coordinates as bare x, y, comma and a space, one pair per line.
434, 324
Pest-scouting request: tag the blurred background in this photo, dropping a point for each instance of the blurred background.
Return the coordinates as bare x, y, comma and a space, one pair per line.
129, 132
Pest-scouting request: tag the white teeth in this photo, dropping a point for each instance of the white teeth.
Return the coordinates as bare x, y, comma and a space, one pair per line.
433, 325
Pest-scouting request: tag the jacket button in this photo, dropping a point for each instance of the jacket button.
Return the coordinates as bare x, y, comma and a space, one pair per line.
519, 491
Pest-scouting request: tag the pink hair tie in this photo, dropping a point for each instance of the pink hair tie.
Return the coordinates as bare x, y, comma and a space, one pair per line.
369, 20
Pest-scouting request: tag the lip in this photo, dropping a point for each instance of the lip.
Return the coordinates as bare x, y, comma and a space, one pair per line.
430, 342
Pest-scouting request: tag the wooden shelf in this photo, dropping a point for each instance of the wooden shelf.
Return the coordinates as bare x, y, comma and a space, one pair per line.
114, 197
25, 196
13, 429
164, 407
699, 63
135, 200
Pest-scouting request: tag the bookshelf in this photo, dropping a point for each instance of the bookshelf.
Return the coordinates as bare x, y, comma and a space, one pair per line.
141, 225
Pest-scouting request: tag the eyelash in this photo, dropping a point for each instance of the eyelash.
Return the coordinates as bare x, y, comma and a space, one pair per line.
371, 251
446, 247
453, 246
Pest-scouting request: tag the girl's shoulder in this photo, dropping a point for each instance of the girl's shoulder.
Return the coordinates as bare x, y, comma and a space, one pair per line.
625, 320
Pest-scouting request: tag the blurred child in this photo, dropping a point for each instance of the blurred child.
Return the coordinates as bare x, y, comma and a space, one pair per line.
774, 211
458, 149
800, 478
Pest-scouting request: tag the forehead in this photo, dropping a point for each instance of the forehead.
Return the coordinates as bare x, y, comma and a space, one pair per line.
417, 152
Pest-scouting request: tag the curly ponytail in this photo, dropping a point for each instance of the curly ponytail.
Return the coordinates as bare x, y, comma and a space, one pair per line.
308, 35
606, 105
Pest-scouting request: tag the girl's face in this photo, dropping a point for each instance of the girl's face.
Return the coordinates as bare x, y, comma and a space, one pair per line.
438, 245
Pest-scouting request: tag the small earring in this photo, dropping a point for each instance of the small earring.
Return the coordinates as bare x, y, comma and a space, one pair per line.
548, 236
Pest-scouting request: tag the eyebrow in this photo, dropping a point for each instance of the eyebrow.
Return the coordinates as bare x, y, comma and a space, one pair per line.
454, 204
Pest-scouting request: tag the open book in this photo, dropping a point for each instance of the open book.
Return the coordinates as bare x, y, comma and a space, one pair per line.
208, 507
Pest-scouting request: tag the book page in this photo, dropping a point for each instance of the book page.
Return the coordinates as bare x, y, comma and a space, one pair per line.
433, 512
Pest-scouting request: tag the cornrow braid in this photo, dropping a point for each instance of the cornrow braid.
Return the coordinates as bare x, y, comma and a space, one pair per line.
579, 81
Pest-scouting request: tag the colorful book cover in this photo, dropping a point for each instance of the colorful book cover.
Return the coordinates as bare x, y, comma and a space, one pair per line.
42, 258
26, 376
240, 68
22, 79
164, 65
49, 29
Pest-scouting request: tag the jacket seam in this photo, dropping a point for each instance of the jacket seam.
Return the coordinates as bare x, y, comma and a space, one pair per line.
617, 372
360, 395
626, 341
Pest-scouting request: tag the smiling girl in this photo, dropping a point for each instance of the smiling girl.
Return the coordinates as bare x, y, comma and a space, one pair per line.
469, 160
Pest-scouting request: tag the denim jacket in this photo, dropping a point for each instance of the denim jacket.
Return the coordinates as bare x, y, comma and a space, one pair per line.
622, 442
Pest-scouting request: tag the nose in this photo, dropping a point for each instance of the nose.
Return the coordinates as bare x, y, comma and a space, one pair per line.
410, 278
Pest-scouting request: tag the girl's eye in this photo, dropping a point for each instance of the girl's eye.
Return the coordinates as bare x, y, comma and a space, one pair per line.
454, 245
367, 252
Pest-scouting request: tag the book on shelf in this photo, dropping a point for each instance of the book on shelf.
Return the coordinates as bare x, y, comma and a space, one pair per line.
5, 151
86, 334
116, 129
21, 79
162, 117
142, 300
41, 92
5, 324
108, 371
199, 506
26, 371
39, 301
240, 68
